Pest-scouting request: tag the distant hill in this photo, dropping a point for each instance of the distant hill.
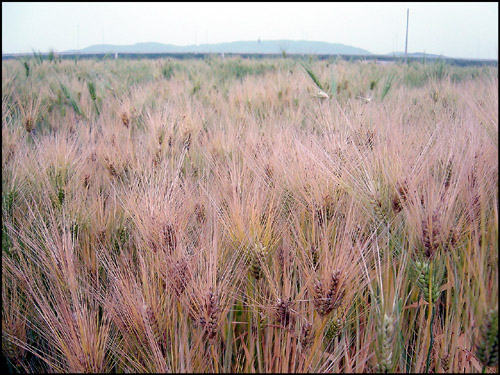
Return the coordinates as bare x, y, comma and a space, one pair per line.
418, 55
264, 46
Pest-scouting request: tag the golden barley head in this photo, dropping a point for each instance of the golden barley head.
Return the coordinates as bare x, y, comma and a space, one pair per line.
325, 300
29, 124
212, 311
431, 234
125, 119
180, 276
169, 237
283, 313
306, 335
445, 362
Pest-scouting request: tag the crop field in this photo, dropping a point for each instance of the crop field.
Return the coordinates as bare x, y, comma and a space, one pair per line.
234, 215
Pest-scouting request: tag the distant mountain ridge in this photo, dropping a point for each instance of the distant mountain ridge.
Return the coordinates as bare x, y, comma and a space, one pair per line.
417, 55
263, 46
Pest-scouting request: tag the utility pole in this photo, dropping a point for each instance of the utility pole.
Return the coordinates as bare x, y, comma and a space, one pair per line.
478, 41
406, 45
78, 39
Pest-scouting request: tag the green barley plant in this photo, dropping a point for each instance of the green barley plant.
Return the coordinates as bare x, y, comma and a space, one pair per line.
51, 56
71, 99
487, 340
38, 58
439, 70
387, 86
167, 71
26, 68
9, 201
428, 278
93, 95
386, 338
321, 94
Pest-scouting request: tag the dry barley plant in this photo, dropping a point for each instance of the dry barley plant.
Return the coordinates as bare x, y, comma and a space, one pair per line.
221, 216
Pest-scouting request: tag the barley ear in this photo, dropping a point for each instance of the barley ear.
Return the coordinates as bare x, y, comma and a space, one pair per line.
428, 281
445, 362
386, 338
255, 254
311, 74
306, 335
487, 341
333, 329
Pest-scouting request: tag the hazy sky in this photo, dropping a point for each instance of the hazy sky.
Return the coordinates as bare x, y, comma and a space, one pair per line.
467, 30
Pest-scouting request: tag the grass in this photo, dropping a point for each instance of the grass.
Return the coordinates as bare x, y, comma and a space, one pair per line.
218, 216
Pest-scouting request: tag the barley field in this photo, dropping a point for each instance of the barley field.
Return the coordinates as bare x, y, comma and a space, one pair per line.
233, 215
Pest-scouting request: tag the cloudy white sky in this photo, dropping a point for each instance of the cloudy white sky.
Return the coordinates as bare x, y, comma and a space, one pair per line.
467, 30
